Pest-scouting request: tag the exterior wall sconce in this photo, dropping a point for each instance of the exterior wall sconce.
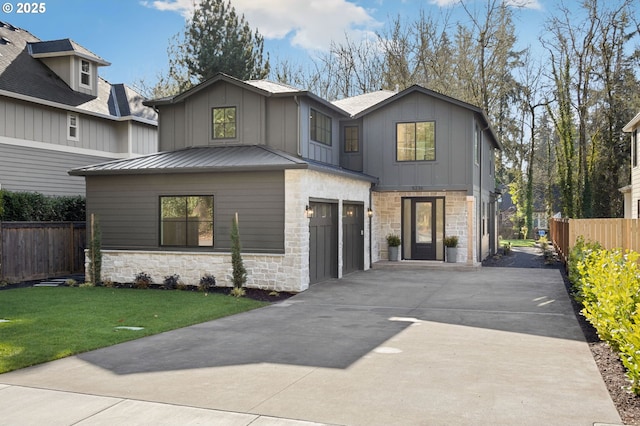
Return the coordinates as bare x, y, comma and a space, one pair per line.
369, 212
308, 211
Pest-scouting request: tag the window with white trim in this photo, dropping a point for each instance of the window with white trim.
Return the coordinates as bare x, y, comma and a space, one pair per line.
73, 127
85, 73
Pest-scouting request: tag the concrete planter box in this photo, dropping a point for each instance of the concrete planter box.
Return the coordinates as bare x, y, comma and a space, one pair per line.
452, 254
393, 253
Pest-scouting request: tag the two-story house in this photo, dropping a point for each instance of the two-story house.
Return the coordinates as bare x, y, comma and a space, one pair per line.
632, 192
56, 113
317, 186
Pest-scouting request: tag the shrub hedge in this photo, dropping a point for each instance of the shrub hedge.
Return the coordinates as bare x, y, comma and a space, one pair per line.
607, 282
36, 207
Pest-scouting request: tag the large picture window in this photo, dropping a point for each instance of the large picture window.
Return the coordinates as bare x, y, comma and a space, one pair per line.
416, 141
186, 221
224, 123
320, 127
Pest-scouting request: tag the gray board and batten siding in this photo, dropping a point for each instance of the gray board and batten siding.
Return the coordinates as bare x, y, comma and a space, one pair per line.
128, 207
39, 123
452, 167
280, 121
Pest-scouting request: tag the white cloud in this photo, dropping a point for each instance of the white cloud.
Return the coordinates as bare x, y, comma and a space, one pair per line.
310, 24
526, 4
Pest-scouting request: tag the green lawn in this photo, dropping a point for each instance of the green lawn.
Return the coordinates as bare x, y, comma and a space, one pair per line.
47, 323
519, 243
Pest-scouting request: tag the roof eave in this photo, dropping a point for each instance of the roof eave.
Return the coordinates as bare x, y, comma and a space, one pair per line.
100, 62
199, 87
262, 168
66, 107
635, 121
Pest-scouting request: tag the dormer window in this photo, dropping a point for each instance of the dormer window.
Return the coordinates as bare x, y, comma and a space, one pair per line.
85, 73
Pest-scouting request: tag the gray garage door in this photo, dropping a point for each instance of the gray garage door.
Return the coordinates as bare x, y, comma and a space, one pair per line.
352, 238
323, 242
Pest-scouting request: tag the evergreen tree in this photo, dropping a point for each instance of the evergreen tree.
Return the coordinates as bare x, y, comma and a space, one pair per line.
239, 271
215, 40
95, 252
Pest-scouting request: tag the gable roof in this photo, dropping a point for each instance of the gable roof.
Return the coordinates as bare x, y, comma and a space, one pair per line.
63, 47
365, 104
24, 76
263, 87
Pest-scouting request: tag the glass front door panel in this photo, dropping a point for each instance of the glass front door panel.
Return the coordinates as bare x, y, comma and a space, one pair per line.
423, 225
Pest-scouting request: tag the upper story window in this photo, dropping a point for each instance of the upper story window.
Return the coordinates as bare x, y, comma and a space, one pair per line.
351, 141
320, 127
73, 127
186, 221
224, 123
416, 141
85, 73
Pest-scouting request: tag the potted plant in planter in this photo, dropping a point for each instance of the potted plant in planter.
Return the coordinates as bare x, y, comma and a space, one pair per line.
451, 244
393, 242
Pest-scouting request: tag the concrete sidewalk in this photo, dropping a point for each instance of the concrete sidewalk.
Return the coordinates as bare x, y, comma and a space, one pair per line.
497, 346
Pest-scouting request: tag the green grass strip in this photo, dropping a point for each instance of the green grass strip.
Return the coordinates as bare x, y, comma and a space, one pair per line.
48, 323
519, 243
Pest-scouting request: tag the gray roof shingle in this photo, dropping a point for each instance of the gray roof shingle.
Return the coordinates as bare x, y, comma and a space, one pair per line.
357, 104
23, 74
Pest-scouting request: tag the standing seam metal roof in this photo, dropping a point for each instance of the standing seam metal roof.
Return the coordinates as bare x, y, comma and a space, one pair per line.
198, 159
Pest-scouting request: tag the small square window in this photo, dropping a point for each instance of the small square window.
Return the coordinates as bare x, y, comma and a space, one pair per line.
224, 123
416, 141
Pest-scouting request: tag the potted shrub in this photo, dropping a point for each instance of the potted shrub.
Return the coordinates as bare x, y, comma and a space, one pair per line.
393, 241
451, 244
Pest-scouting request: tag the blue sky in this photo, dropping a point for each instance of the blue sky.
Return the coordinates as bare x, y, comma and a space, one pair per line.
134, 34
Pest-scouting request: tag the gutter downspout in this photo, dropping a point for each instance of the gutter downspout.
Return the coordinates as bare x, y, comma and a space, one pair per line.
295, 99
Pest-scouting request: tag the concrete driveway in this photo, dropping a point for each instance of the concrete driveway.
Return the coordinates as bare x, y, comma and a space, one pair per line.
497, 346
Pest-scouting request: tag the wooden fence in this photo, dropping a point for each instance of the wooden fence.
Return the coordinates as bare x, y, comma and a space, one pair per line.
36, 250
610, 233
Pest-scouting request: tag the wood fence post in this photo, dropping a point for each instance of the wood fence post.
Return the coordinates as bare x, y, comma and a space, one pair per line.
72, 250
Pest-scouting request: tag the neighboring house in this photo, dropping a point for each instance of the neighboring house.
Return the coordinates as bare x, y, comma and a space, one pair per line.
317, 186
632, 192
56, 113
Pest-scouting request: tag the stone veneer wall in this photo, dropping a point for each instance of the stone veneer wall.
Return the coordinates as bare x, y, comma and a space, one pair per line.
387, 219
266, 271
312, 184
280, 272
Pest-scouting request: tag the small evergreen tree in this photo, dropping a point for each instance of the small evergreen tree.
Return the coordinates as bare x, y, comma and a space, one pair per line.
239, 272
95, 252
